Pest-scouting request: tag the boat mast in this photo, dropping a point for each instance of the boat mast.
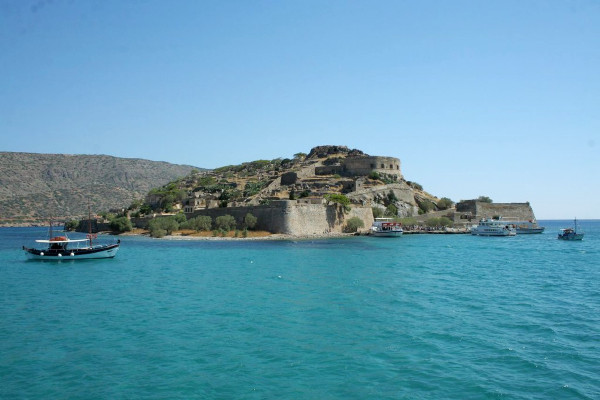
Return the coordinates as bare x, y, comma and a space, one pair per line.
89, 223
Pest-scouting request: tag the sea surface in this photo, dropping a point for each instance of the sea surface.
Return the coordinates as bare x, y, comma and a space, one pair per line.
416, 317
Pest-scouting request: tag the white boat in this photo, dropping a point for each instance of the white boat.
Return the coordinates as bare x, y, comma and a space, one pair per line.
528, 227
386, 227
570, 233
493, 227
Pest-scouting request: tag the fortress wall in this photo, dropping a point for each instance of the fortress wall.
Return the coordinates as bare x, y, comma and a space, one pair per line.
317, 219
363, 166
293, 217
508, 211
286, 216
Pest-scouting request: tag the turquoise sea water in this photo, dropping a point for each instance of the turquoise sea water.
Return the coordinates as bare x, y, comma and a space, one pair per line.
416, 317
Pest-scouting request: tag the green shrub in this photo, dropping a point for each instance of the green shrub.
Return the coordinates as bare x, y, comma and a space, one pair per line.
71, 225
245, 233
353, 224
391, 211
120, 224
408, 221
167, 224
338, 199
200, 223
391, 197
304, 193
443, 221
225, 222
414, 185
377, 212
484, 199
374, 176
158, 233
424, 206
250, 221
444, 203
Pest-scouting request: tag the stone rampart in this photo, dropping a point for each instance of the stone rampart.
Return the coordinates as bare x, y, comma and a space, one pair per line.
293, 217
508, 211
364, 165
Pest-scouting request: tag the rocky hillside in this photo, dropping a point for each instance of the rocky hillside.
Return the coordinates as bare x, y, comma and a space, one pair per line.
318, 174
34, 187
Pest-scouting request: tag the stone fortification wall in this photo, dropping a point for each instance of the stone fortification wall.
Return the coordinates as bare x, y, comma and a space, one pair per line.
364, 165
292, 217
508, 211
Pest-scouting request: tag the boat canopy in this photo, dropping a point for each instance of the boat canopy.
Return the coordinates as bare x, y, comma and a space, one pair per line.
62, 241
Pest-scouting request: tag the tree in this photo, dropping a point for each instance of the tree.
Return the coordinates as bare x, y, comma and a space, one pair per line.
353, 224
225, 222
484, 199
120, 224
300, 156
200, 223
250, 221
443, 221
444, 203
391, 196
71, 225
391, 211
159, 227
180, 218
377, 212
338, 199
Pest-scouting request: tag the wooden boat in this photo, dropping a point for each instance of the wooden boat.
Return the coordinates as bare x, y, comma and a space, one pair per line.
63, 248
570, 233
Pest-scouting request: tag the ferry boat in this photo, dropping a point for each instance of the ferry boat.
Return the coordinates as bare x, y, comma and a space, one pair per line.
386, 227
570, 233
493, 227
528, 227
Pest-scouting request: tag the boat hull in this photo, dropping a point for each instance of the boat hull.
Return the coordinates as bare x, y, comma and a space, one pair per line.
387, 233
572, 236
494, 234
526, 231
108, 251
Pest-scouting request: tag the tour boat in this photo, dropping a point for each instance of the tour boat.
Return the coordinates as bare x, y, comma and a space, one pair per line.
63, 248
493, 227
570, 233
386, 227
528, 227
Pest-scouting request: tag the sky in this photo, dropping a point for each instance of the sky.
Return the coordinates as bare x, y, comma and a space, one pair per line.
476, 98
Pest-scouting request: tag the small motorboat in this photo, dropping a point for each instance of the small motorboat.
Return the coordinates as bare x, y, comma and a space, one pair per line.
386, 227
570, 233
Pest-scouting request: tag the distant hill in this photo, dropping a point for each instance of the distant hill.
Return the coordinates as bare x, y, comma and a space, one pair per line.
34, 187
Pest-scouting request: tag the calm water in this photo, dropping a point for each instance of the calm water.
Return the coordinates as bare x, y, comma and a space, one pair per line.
418, 317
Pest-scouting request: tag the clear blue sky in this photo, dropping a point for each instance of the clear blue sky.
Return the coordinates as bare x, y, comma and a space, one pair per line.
495, 98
